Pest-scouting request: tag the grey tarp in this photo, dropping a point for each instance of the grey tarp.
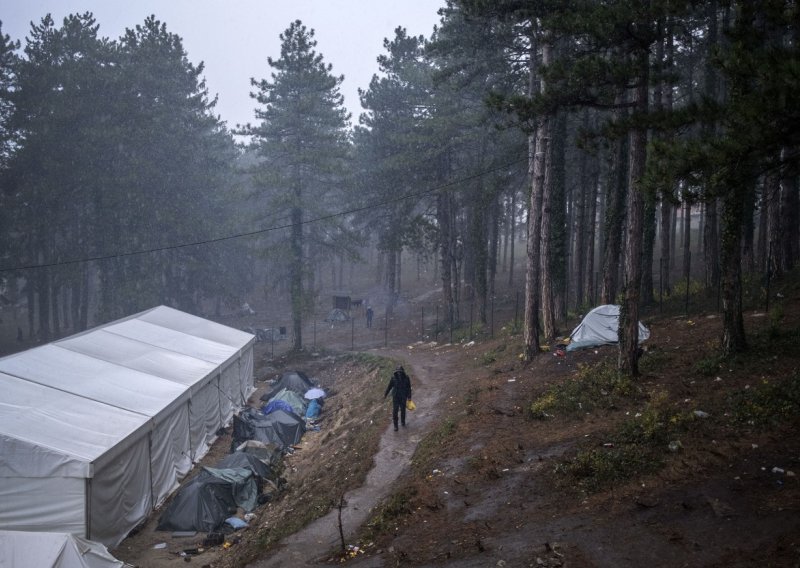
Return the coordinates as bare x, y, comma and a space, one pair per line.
206, 501
296, 401
296, 381
280, 427
247, 461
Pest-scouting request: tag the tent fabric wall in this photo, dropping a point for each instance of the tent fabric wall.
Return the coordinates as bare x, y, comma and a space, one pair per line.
110, 420
53, 550
121, 495
43, 504
170, 458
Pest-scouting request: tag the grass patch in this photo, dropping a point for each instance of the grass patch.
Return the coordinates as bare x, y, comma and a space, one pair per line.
385, 516
600, 468
487, 358
768, 403
710, 366
654, 360
372, 362
638, 446
428, 449
595, 386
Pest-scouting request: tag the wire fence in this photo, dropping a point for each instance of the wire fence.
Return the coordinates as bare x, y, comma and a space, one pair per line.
410, 321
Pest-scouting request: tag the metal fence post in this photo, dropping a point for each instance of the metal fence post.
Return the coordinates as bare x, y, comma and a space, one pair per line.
422, 324
451, 325
661, 285
471, 308
688, 273
491, 319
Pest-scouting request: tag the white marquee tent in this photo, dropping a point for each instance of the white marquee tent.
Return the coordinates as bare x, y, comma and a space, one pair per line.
98, 429
53, 550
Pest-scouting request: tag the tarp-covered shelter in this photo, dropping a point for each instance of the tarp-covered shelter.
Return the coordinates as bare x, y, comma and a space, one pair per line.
600, 327
249, 461
296, 401
296, 381
53, 550
98, 428
337, 315
206, 501
279, 427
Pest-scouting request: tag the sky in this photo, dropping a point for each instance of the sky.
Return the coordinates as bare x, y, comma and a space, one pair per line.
233, 38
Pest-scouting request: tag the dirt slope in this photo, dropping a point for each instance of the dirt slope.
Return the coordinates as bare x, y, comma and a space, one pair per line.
478, 479
489, 495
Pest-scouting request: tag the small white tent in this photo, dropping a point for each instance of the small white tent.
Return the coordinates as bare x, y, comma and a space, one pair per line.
53, 550
98, 429
600, 327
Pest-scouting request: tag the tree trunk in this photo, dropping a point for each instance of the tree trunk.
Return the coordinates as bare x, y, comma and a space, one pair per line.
494, 242
513, 238
733, 213
559, 235
296, 275
711, 245
649, 244
790, 218
629, 310
581, 204
445, 252
615, 217
773, 187
687, 237
545, 146
505, 235
591, 229
537, 152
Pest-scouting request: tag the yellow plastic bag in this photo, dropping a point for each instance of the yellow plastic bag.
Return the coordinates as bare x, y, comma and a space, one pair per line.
410, 405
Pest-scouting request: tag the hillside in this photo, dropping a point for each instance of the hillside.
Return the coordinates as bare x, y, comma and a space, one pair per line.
553, 463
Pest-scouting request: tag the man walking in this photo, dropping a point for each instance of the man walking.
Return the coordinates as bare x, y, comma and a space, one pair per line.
400, 385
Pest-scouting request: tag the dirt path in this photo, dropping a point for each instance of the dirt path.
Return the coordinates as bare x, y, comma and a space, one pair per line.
316, 541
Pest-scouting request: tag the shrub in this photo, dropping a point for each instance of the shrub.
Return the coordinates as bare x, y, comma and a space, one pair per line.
596, 386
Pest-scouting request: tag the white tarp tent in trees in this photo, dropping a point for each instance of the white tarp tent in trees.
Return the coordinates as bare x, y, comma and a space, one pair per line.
98, 429
53, 550
600, 327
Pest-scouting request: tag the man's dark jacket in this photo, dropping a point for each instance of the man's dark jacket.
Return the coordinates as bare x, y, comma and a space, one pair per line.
400, 384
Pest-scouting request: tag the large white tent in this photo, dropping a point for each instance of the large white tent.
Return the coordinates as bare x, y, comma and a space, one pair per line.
98, 429
53, 550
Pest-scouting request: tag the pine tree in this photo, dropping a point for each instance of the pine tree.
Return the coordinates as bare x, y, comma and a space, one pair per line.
302, 142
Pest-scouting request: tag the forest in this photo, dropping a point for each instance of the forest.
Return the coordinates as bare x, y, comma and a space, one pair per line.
635, 149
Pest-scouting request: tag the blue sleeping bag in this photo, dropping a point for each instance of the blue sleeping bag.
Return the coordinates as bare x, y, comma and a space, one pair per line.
274, 405
314, 408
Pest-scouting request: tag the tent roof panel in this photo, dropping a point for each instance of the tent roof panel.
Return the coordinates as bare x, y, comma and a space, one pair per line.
177, 367
178, 341
47, 420
92, 378
197, 326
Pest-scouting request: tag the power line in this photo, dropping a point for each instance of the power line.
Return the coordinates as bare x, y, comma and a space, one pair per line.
266, 230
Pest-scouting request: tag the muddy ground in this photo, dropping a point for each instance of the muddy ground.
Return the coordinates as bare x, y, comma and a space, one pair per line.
478, 479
